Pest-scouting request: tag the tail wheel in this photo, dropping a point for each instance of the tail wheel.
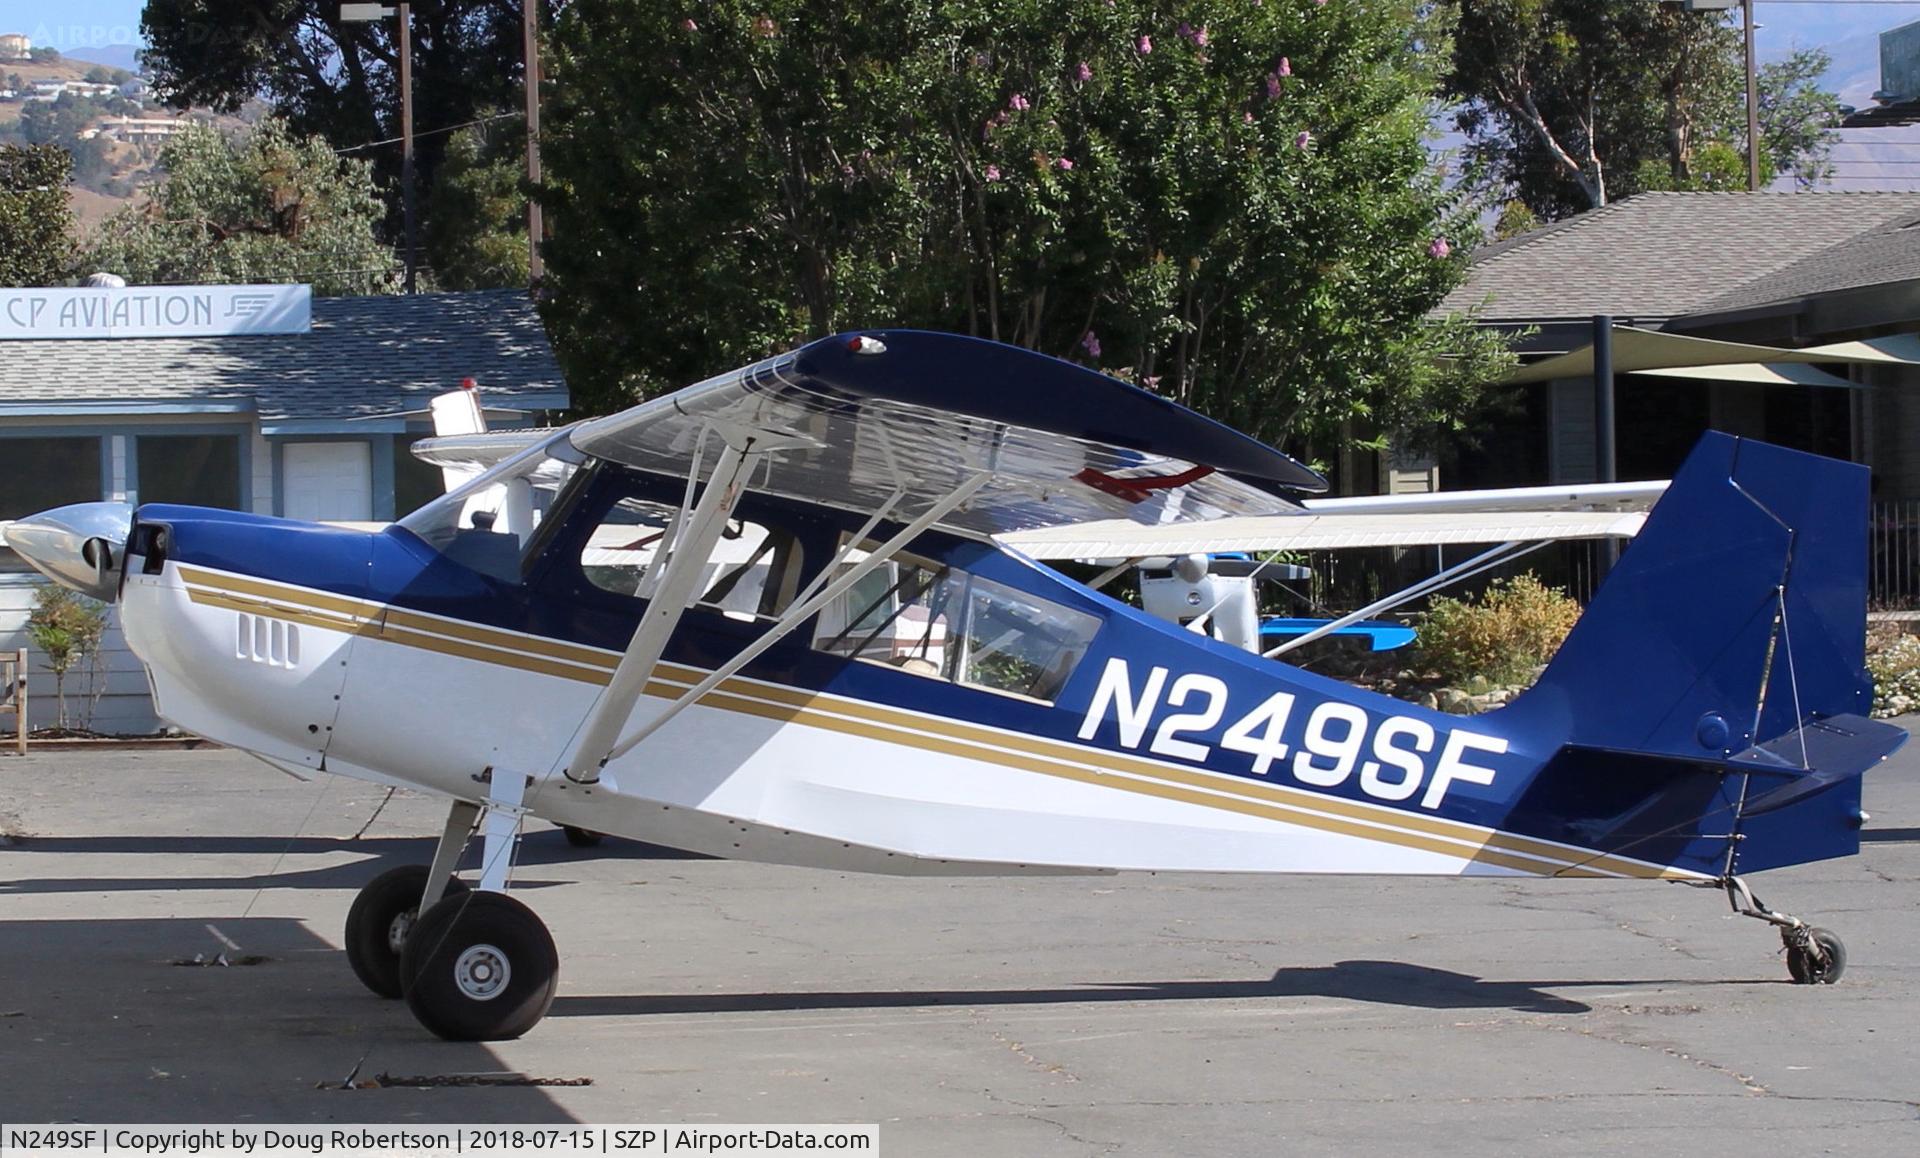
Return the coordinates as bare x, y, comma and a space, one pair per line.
380, 921
480, 967
581, 837
1832, 962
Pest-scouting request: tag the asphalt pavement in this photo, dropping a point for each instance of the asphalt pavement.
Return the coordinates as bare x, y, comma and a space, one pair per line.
1138, 1014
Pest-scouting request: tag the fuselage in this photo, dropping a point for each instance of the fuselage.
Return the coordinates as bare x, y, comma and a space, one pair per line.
1143, 746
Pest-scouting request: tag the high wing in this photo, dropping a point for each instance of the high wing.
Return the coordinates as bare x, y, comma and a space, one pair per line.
904, 418
1521, 514
1311, 531
901, 419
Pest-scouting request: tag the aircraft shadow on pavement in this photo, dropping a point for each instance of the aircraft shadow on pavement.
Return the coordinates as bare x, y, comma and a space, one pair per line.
382, 852
1378, 982
1890, 836
99, 1023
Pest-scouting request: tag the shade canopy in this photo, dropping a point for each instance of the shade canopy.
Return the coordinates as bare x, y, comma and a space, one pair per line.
1760, 374
1638, 351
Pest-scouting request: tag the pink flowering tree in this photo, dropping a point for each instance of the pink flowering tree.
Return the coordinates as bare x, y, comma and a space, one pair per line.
1234, 203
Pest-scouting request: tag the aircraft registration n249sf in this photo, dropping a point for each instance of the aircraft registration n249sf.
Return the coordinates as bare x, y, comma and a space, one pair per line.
782, 615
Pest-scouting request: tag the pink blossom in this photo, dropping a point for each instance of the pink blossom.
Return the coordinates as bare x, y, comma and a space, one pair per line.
1285, 68
1090, 342
1247, 117
1273, 86
1063, 163
1200, 37
1323, 4
1439, 248
1303, 140
1018, 103
1083, 72
1151, 381
1145, 46
689, 25
993, 173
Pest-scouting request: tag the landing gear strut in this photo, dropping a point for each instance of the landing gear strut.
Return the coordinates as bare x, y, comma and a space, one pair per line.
1814, 955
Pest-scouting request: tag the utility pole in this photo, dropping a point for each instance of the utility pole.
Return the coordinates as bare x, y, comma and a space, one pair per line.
1753, 101
536, 225
362, 13
1605, 456
406, 140
1753, 104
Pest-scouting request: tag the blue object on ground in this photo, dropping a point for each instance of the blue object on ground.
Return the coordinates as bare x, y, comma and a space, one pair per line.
1383, 636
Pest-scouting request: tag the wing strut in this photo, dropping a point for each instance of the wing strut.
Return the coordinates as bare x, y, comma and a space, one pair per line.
681, 571
806, 609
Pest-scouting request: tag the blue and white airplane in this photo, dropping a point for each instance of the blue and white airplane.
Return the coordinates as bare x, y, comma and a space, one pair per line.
776, 616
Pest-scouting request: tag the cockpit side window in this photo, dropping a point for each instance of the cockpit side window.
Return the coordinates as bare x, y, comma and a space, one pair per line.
751, 573
487, 523
939, 621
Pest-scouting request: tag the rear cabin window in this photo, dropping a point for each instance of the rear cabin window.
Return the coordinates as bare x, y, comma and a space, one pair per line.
938, 621
750, 574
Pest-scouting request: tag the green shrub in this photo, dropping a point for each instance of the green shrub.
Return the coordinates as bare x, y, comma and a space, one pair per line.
1893, 659
66, 627
1515, 627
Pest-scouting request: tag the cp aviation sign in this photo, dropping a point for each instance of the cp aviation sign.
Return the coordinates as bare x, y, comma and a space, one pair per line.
175, 311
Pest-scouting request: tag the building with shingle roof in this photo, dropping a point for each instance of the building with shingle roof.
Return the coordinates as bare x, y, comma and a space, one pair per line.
1783, 269
145, 394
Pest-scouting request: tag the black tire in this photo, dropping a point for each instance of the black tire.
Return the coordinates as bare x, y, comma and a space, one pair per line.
1801, 966
480, 967
582, 837
379, 921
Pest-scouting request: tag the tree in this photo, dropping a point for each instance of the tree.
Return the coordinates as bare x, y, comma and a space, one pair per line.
66, 627
100, 74
45, 54
476, 235
1564, 101
266, 207
340, 80
1234, 207
36, 224
1798, 118
1569, 104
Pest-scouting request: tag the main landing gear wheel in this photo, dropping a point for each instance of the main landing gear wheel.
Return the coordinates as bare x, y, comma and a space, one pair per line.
378, 924
480, 967
1818, 958
581, 837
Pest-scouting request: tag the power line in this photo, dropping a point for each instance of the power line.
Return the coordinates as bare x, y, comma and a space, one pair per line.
431, 132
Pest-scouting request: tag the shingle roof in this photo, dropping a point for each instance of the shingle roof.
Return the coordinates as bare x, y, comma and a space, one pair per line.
364, 357
1888, 253
1667, 254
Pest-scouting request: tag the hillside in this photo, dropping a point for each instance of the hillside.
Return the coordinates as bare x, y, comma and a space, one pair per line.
113, 158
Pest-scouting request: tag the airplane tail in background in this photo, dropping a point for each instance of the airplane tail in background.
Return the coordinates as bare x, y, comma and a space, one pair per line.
1729, 639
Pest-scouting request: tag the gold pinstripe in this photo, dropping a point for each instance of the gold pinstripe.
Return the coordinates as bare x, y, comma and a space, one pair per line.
467, 640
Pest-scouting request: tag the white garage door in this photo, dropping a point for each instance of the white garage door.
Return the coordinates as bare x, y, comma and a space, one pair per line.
327, 481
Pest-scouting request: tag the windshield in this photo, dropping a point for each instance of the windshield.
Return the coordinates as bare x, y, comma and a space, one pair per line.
486, 522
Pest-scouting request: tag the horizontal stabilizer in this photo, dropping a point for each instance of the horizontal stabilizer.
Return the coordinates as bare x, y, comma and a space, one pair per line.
1816, 757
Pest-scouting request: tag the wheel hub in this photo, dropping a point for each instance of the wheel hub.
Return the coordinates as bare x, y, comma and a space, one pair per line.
399, 929
482, 972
